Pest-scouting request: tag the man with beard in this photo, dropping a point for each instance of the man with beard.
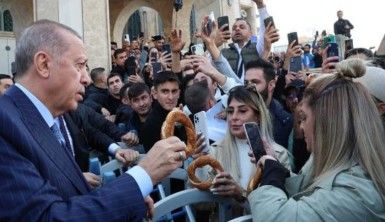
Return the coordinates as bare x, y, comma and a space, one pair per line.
242, 50
262, 75
307, 57
120, 56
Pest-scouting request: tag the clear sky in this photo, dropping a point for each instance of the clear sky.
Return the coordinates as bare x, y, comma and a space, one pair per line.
307, 16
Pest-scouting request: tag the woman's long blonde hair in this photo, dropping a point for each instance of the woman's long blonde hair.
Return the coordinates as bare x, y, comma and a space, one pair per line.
347, 125
228, 154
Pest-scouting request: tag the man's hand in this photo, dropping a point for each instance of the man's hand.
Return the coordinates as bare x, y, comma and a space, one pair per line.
130, 139
150, 207
105, 112
176, 41
203, 64
135, 79
127, 156
271, 36
292, 51
208, 38
163, 158
111, 118
165, 59
222, 35
92, 179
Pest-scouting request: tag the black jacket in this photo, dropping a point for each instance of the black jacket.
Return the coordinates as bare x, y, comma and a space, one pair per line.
90, 130
340, 27
99, 101
282, 123
92, 89
150, 133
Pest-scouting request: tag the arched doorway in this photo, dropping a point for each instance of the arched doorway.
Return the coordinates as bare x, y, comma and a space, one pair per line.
144, 22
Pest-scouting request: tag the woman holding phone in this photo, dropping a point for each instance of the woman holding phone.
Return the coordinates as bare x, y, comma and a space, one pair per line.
344, 180
245, 104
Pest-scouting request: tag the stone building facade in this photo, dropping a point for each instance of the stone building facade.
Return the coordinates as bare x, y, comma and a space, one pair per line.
102, 21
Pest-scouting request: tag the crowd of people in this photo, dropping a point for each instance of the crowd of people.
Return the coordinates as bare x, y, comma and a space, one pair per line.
322, 126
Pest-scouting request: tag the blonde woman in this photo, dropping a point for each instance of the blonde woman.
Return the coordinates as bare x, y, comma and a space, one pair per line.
244, 105
344, 180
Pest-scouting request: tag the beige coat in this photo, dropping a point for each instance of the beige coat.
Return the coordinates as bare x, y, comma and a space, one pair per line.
347, 195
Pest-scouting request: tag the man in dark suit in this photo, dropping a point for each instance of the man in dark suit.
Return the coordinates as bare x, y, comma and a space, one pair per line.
40, 180
342, 26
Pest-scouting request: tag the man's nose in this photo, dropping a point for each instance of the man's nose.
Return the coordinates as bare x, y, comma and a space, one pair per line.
85, 79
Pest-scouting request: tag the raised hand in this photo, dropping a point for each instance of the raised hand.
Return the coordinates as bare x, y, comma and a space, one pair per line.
222, 35
328, 64
208, 38
92, 179
271, 36
225, 185
176, 41
200, 146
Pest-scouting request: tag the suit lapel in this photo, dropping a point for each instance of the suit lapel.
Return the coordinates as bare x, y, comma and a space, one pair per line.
47, 141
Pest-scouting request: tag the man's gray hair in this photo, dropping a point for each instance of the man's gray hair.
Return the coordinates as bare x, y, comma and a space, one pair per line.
43, 35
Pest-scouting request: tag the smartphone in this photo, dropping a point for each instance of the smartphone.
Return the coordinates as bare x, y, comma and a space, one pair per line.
127, 37
166, 48
198, 49
269, 20
332, 50
210, 23
295, 64
153, 57
253, 136
224, 20
348, 44
156, 68
293, 36
200, 123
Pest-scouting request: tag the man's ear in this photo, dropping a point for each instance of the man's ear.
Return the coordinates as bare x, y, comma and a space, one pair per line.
126, 101
271, 85
153, 92
42, 61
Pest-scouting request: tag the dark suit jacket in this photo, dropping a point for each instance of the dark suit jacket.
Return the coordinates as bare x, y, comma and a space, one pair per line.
40, 181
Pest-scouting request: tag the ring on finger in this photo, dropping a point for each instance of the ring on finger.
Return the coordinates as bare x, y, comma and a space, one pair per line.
180, 157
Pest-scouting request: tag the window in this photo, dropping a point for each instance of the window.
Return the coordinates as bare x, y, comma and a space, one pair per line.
7, 21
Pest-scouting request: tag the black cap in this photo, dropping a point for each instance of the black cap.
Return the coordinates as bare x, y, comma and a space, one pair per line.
157, 37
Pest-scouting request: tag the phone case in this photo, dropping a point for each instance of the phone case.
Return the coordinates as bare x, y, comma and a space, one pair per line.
222, 21
291, 37
197, 49
156, 67
200, 123
268, 20
254, 138
167, 48
333, 50
295, 64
